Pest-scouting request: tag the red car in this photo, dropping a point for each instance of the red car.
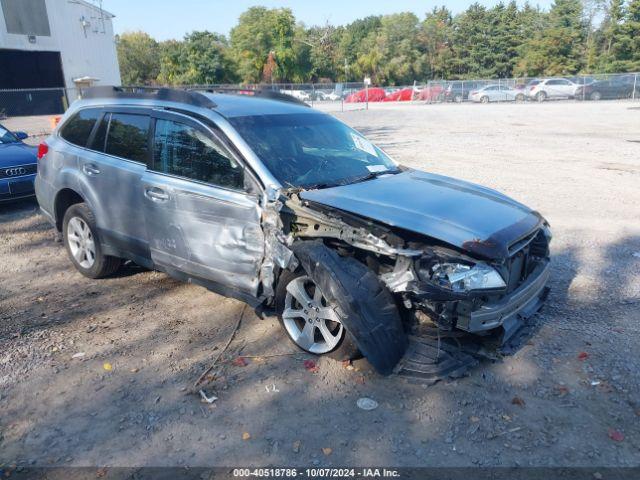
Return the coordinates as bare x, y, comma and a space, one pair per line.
404, 95
431, 93
375, 95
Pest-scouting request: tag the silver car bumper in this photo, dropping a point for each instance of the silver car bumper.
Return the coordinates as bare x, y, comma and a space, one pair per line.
511, 310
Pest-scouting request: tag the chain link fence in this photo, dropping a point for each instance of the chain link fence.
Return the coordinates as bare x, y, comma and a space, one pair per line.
337, 97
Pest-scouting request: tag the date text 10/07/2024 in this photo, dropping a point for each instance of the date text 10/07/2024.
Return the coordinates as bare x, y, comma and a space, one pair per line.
315, 473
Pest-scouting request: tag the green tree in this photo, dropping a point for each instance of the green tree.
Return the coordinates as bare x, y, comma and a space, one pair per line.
202, 58
559, 49
139, 58
628, 43
435, 40
261, 32
356, 49
472, 32
397, 41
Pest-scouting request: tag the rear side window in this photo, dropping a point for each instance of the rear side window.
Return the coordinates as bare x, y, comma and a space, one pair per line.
182, 150
128, 136
79, 127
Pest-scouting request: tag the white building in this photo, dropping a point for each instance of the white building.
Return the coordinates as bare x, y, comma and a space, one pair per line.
56, 43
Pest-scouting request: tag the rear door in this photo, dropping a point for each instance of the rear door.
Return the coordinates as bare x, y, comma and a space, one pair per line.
201, 218
112, 168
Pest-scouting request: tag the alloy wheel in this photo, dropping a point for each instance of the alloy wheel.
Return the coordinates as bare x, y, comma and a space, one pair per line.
81, 242
313, 324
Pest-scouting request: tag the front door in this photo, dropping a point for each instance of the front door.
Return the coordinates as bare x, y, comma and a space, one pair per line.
200, 218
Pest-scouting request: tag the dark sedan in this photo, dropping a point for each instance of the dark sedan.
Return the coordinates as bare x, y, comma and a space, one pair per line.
18, 165
616, 88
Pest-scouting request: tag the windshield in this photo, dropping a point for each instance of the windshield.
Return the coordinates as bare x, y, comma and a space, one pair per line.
312, 150
6, 136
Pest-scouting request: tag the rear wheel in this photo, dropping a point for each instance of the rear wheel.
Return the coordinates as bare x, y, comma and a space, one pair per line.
83, 243
520, 97
595, 96
458, 98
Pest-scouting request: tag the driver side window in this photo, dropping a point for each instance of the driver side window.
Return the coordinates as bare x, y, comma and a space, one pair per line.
185, 151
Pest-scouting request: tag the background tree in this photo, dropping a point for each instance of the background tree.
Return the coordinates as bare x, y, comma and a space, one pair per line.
202, 58
559, 48
269, 45
138, 56
435, 40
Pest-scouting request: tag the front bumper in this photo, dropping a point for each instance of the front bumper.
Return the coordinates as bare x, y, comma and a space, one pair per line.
509, 311
15, 188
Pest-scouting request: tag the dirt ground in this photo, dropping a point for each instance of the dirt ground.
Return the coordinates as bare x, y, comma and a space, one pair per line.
570, 397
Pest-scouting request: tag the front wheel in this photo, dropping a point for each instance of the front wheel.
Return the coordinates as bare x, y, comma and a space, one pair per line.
520, 98
484, 100
312, 322
82, 243
595, 96
541, 96
458, 98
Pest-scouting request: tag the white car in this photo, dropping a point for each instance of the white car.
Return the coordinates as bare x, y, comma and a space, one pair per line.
542, 90
299, 94
496, 93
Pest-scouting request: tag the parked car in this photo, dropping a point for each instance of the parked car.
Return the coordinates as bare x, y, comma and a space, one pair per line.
327, 96
18, 166
373, 94
432, 93
298, 94
496, 93
264, 199
458, 91
404, 95
551, 88
615, 88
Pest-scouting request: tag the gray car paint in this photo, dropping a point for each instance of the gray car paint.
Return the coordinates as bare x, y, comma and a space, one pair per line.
217, 234
443, 208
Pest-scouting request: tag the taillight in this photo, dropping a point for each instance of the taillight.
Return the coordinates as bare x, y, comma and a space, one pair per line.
43, 149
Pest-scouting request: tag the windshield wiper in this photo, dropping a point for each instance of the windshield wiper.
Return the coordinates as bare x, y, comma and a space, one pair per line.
372, 175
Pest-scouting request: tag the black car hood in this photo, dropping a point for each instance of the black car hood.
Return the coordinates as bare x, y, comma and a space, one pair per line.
473, 218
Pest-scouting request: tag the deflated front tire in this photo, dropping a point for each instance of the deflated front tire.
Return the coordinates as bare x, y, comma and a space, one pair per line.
364, 306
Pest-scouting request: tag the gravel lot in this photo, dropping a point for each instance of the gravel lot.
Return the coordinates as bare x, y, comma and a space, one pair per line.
549, 405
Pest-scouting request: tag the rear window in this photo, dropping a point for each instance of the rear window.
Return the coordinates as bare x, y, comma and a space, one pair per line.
128, 136
79, 127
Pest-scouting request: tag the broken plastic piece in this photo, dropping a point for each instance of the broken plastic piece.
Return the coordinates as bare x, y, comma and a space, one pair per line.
206, 399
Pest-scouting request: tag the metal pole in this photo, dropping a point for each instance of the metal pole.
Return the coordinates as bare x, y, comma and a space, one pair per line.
313, 93
635, 82
366, 94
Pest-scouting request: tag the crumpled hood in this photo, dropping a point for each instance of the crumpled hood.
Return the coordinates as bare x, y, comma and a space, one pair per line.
476, 219
12, 154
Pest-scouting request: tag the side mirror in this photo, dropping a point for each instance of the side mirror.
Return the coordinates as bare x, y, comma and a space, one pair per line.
21, 135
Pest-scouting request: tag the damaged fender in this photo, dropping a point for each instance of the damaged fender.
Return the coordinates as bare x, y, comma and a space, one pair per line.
365, 305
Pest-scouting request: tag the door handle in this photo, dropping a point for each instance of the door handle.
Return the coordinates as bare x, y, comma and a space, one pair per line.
156, 194
90, 169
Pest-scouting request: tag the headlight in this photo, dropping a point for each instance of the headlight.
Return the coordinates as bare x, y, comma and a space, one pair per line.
460, 278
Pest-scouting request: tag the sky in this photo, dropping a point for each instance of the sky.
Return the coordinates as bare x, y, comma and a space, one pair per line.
166, 19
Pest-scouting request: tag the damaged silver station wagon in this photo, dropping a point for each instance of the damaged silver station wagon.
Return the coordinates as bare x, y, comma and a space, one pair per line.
257, 196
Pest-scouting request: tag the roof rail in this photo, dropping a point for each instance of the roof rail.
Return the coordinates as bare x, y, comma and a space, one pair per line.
150, 93
253, 92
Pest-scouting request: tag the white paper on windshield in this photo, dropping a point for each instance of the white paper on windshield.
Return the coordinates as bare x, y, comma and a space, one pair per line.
376, 168
363, 144
3, 132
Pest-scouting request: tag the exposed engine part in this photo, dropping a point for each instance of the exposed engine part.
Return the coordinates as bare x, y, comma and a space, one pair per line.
314, 224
